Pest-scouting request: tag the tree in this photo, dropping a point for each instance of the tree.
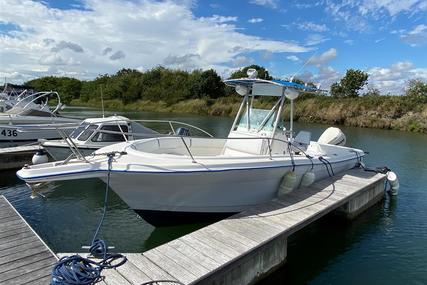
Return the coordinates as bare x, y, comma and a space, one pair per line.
350, 84
262, 72
67, 87
207, 84
416, 88
372, 91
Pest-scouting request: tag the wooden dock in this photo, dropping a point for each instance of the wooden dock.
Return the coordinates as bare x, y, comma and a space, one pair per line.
16, 157
247, 246
24, 257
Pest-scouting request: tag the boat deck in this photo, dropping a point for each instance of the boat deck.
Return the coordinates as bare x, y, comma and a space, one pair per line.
24, 257
244, 247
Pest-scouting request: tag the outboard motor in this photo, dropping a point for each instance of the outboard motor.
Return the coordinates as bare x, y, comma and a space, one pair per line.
184, 132
332, 135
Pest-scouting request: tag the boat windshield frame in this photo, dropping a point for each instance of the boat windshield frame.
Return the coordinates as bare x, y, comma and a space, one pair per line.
246, 109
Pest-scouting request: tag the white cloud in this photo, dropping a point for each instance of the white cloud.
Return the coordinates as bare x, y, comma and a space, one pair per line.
242, 61
268, 3
292, 58
220, 19
66, 45
327, 56
255, 20
106, 50
393, 79
310, 26
415, 37
325, 76
349, 42
114, 34
315, 39
117, 55
355, 14
391, 7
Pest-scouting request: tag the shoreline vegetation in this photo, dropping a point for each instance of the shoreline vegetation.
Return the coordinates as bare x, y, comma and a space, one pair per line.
387, 112
203, 93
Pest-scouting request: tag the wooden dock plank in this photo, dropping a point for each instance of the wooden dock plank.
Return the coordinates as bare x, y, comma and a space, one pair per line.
132, 273
207, 249
153, 271
172, 267
25, 261
18, 242
13, 274
193, 253
24, 257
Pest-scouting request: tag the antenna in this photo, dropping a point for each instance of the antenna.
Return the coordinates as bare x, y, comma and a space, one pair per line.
102, 103
305, 63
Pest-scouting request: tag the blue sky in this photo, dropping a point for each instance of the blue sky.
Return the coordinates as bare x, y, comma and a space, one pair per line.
314, 40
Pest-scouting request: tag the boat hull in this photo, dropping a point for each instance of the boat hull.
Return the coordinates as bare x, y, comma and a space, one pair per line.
176, 198
16, 129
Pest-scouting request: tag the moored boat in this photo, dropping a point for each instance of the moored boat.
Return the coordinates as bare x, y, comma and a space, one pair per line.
24, 116
172, 180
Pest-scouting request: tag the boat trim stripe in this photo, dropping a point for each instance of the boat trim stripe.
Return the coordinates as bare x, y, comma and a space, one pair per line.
177, 172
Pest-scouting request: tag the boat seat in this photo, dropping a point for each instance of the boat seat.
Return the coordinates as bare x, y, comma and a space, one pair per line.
301, 141
238, 147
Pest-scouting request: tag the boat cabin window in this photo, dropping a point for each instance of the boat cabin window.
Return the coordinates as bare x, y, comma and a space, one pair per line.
259, 119
78, 130
106, 137
87, 132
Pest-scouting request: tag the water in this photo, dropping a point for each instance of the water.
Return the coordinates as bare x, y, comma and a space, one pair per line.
386, 244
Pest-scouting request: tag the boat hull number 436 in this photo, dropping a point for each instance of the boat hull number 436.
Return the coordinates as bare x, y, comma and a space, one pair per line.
9, 133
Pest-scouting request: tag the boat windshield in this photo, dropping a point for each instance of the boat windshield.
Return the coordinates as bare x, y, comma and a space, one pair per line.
257, 120
79, 130
87, 132
107, 137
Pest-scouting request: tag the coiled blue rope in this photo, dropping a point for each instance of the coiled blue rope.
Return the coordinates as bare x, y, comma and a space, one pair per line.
77, 270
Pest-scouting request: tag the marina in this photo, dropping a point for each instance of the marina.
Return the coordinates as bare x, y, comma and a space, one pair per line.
213, 142
238, 250
128, 242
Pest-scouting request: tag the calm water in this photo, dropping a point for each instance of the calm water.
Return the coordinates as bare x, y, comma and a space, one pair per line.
386, 245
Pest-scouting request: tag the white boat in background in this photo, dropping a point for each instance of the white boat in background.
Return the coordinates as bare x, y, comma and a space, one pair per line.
173, 180
95, 133
22, 115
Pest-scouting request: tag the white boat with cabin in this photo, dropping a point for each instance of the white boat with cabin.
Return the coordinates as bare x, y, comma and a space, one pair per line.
95, 133
173, 180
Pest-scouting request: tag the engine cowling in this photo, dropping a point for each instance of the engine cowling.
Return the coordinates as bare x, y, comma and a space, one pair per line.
333, 136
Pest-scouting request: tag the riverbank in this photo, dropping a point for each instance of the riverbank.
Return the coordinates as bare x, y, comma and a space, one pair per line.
383, 112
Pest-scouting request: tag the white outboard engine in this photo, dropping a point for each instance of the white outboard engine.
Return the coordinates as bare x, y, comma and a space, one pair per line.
332, 135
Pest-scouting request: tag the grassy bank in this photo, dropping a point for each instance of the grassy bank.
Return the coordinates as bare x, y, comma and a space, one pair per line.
384, 112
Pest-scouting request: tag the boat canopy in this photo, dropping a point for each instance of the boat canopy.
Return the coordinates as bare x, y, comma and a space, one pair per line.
262, 87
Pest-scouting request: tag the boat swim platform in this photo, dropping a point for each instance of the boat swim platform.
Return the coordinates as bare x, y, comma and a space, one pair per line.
247, 246
24, 257
16, 157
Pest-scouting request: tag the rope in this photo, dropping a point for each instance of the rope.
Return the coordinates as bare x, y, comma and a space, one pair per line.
77, 270
291, 156
327, 163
